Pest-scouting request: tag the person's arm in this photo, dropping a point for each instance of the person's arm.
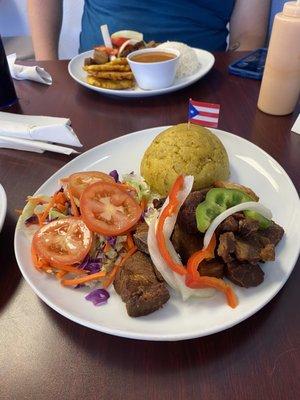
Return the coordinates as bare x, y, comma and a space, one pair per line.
45, 19
248, 24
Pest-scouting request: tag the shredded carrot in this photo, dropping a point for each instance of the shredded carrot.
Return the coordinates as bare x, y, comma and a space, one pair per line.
128, 255
38, 262
47, 268
60, 274
107, 247
117, 266
111, 276
60, 198
60, 207
70, 268
39, 217
45, 213
129, 242
74, 208
42, 264
143, 203
83, 279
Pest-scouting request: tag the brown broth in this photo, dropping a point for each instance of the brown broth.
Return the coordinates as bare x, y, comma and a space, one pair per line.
153, 56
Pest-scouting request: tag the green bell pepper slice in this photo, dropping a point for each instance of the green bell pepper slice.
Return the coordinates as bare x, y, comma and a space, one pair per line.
218, 200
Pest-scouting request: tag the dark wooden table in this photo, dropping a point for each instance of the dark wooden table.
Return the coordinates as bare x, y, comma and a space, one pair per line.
45, 356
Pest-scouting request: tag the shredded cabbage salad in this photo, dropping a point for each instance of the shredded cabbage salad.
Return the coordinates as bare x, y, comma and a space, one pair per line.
105, 252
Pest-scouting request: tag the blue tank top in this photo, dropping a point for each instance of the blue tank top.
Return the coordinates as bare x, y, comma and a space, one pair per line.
198, 23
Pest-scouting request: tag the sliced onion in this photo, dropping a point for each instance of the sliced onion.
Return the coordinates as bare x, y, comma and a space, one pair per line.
157, 259
173, 279
138, 36
250, 205
182, 195
125, 44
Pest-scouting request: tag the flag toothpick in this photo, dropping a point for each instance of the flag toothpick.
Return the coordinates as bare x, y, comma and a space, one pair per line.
205, 114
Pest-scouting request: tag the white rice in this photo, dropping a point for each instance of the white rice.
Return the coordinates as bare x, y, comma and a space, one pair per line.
188, 61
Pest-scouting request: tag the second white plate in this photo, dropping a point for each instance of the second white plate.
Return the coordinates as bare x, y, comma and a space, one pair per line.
206, 60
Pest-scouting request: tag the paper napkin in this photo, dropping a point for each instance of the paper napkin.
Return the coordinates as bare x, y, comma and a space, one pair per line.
296, 126
32, 73
33, 145
30, 127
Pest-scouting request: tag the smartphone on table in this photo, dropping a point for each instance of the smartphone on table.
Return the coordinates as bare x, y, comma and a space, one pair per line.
250, 66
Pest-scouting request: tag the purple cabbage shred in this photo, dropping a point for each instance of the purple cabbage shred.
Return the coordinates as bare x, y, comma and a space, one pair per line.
68, 210
98, 297
80, 285
114, 174
31, 220
143, 216
112, 240
92, 265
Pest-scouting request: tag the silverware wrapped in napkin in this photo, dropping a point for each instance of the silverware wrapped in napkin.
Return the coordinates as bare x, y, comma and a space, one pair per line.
32, 73
37, 133
296, 127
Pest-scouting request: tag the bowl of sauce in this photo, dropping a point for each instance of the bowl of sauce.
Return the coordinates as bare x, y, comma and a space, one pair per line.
154, 68
152, 56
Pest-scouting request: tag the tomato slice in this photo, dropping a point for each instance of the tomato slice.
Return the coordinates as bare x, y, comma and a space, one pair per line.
63, 242
118, 41
108, 209
79, 181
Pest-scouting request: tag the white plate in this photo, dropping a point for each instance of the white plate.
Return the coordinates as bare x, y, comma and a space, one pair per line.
3, 206
177, 320
206, 61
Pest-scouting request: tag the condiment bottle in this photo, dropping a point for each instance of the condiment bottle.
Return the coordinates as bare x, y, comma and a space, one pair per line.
280, 85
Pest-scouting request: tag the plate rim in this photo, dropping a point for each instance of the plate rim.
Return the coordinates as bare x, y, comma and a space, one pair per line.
146, 93
3, 209
156, 336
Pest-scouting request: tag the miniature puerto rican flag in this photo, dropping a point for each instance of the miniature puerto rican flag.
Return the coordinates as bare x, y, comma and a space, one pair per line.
205, 114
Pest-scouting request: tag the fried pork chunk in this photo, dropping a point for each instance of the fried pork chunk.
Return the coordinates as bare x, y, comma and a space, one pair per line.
140, 237
242, 245
141, 286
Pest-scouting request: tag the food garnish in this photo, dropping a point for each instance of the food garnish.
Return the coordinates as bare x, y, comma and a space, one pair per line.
192, 277
79, 181
171, 208
175, 280
218, 200
63, 242
260, 214
108, 209
82, 233
98, 297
